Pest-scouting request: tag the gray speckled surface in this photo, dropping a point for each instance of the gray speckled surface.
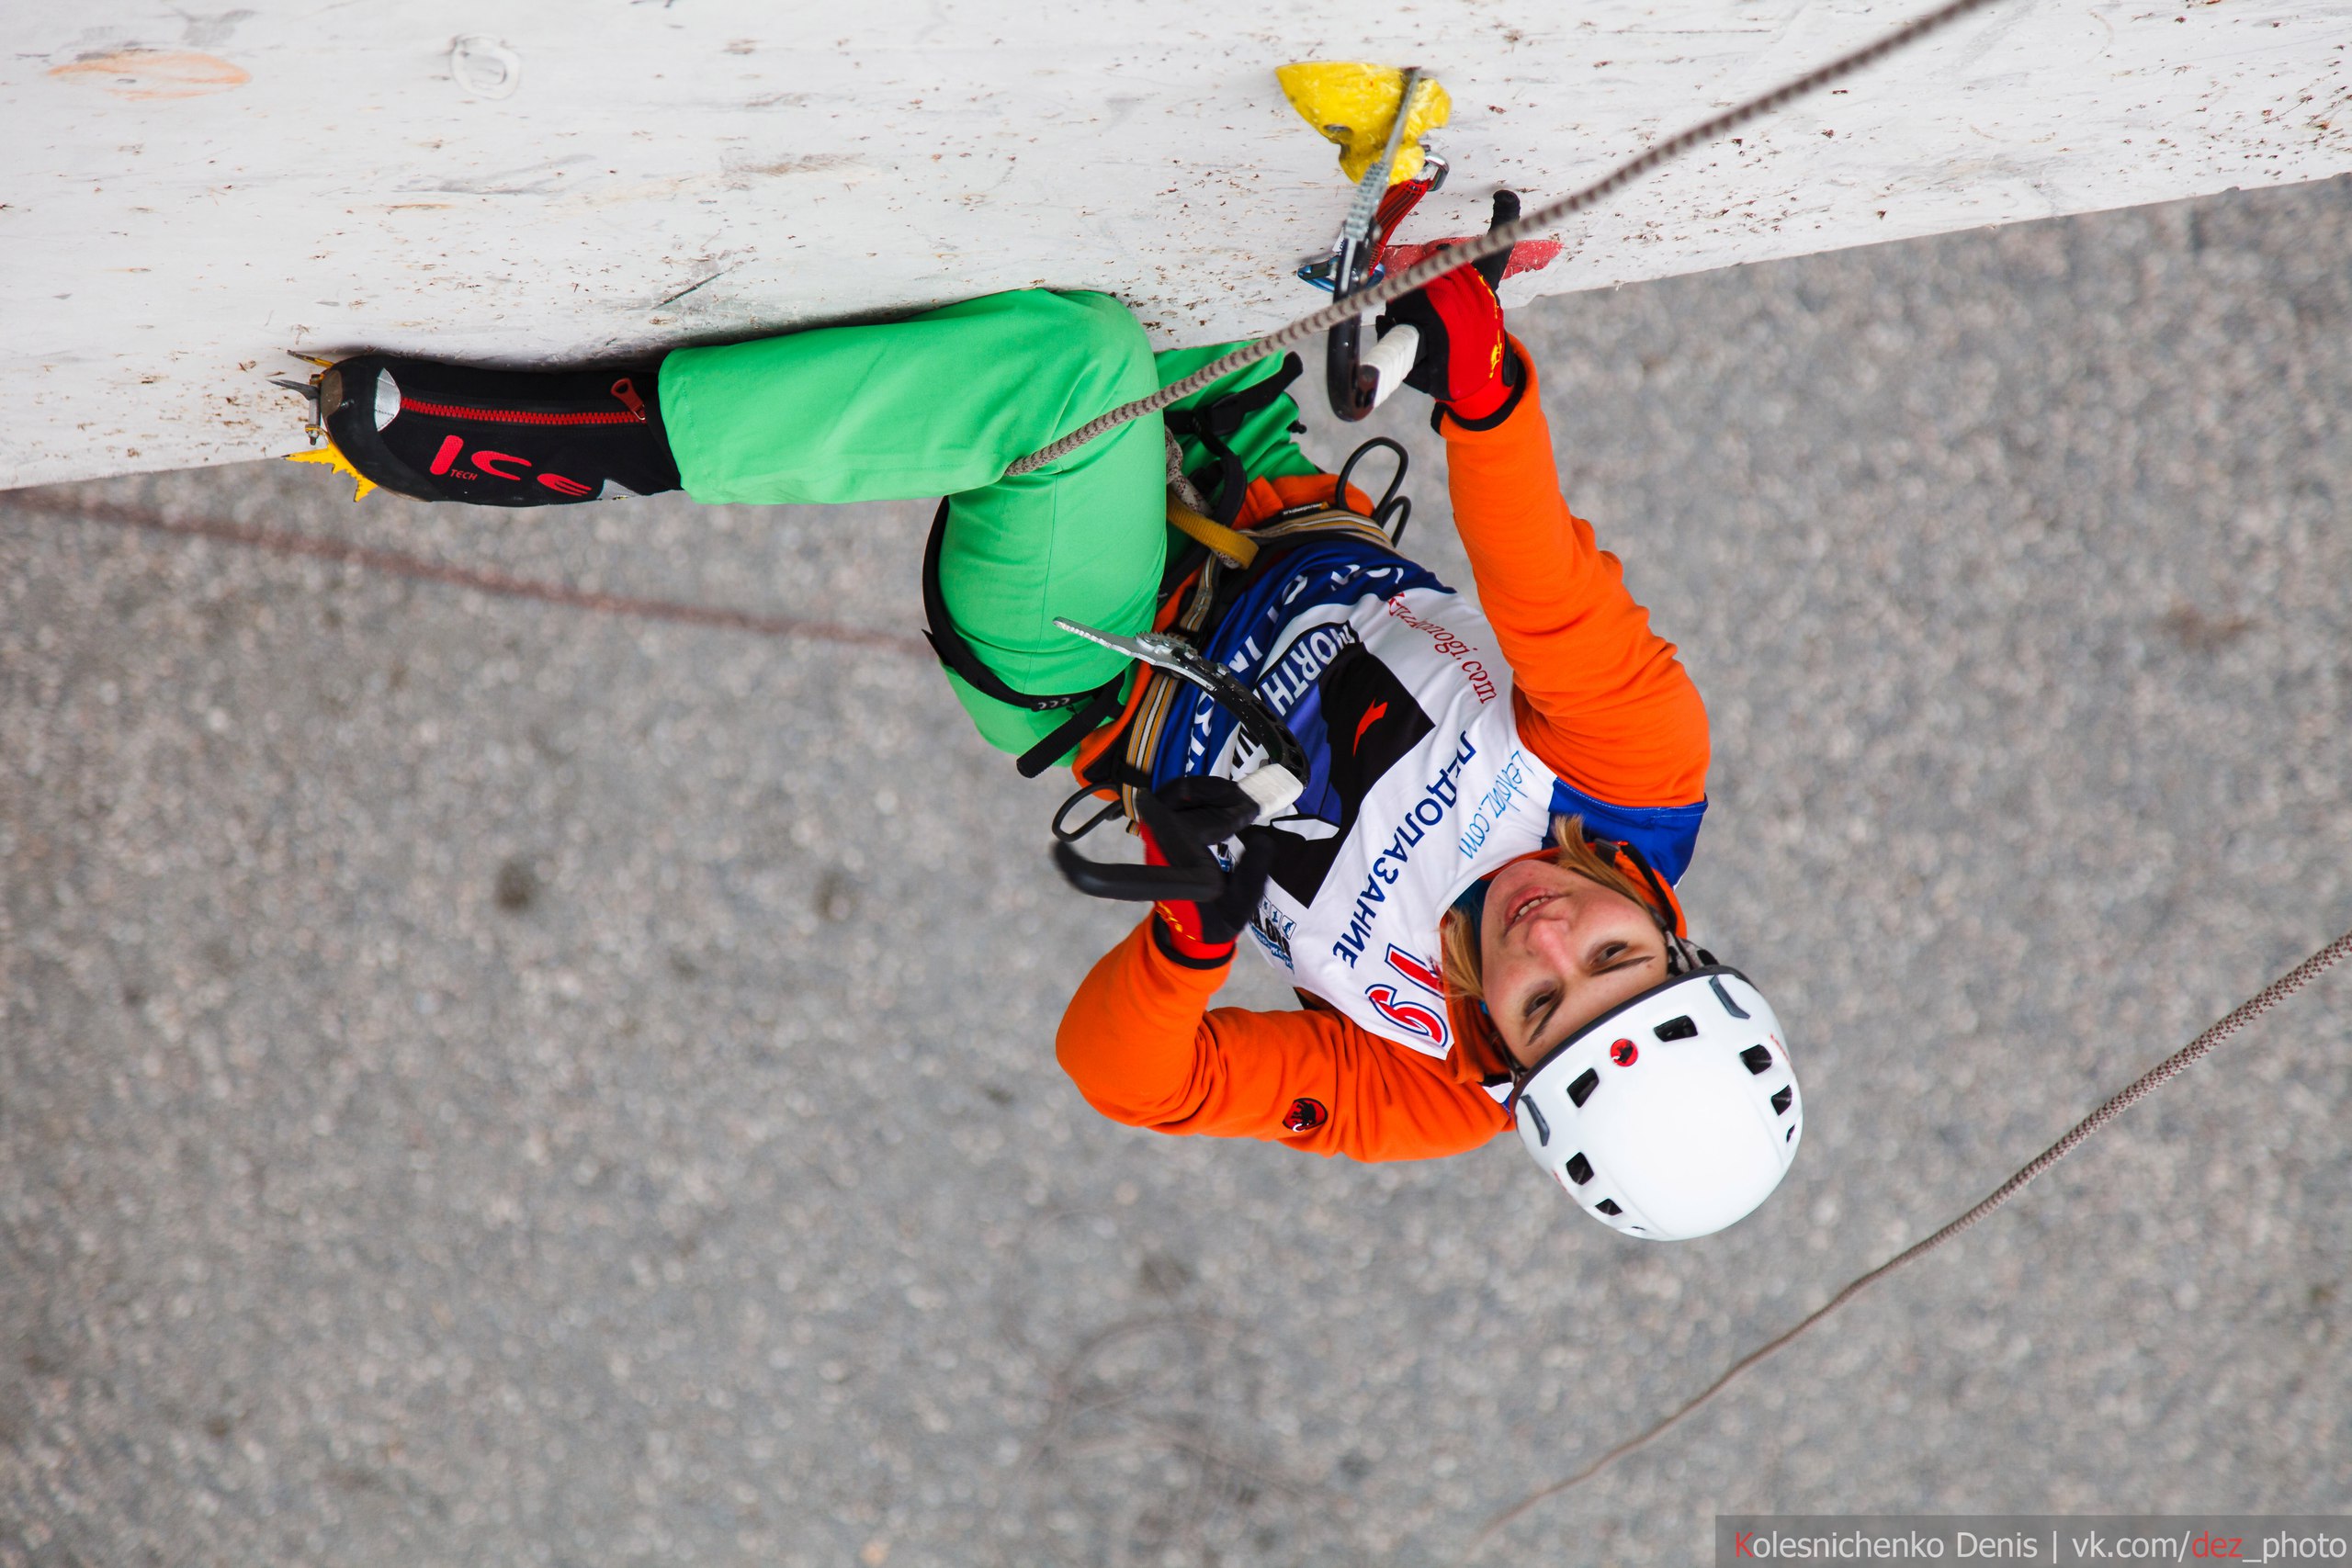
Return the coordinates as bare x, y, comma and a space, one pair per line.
486, 1082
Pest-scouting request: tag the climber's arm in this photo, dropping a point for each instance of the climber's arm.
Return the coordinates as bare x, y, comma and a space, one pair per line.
1143, 1048
1601, 697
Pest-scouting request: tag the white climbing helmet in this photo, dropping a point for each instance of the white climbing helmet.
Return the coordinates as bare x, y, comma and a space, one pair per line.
1672, 1115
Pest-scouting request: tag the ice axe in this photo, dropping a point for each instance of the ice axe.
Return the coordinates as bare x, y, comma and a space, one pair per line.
1356, 382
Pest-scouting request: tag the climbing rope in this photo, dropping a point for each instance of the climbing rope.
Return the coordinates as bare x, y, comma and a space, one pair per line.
2237, 1018
1501, 237
1180, 483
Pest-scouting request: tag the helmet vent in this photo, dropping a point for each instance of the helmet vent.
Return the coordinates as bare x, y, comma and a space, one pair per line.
1581, 1090
1758, 1058
1579, 1169
1723, 996
1782, 1098
1677, 1029
1543, 1128
1609, 1206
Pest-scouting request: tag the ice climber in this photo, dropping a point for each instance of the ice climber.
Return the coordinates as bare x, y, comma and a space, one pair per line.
1474, 893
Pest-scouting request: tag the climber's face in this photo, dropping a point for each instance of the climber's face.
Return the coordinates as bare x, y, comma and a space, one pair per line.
1558, 950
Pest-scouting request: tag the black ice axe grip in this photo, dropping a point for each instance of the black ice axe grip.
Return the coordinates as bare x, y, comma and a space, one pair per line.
1353, 385
1139, 884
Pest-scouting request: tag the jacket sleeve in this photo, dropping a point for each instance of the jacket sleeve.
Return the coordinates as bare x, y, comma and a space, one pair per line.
1599, 698
1143, 1048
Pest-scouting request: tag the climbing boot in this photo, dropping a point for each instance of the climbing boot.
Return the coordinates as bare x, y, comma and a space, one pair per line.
497, 437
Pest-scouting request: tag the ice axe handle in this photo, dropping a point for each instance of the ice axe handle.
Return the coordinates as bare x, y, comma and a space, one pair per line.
1391, 359
1352, 385
1360, 382
1138, 884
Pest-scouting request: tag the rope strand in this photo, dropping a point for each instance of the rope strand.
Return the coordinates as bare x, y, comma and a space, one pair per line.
2237, 1018
479, 578
1502, 237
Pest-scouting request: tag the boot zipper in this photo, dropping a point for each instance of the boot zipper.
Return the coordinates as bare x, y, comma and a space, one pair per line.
633, 415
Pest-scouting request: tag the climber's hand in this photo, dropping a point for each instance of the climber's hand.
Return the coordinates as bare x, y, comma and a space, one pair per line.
1464, 361
1180, 824
1201, 906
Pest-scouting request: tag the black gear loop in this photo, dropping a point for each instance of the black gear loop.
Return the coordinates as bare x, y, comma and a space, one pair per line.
1092, 708
1065, 834
1390, 504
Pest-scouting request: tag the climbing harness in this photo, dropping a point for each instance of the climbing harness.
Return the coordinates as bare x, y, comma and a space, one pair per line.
1214, 425
1089, 709
1200, 585
1504, 235
1195, 587
2236, 1018
1191, 513
1390, 505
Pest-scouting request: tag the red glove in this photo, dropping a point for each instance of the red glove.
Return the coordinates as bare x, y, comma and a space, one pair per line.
1193, 814
1180, 926
1465, 361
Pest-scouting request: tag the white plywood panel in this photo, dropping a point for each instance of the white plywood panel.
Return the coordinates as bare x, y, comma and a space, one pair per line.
185, 196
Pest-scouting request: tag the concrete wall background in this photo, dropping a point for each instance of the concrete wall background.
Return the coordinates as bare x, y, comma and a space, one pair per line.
484, 1082
185, 195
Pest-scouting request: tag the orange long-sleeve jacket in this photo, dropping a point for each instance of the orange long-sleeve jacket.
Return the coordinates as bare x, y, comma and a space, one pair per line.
1596, 695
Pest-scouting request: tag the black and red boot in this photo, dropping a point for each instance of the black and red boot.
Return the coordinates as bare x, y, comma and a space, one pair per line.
497, 437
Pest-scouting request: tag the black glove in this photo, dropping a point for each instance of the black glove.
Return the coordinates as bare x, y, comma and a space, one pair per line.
1463, 360
1201, 907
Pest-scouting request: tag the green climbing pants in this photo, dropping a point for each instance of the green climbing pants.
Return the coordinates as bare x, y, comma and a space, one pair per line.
942, 404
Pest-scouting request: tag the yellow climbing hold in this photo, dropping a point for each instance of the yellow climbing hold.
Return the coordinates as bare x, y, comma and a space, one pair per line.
1353, 104
332, 456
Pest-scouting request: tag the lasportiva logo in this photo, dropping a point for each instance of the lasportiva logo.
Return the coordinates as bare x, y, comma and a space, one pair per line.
1305, 1115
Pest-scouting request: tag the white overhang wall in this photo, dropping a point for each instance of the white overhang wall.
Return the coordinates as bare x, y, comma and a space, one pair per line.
185, 195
